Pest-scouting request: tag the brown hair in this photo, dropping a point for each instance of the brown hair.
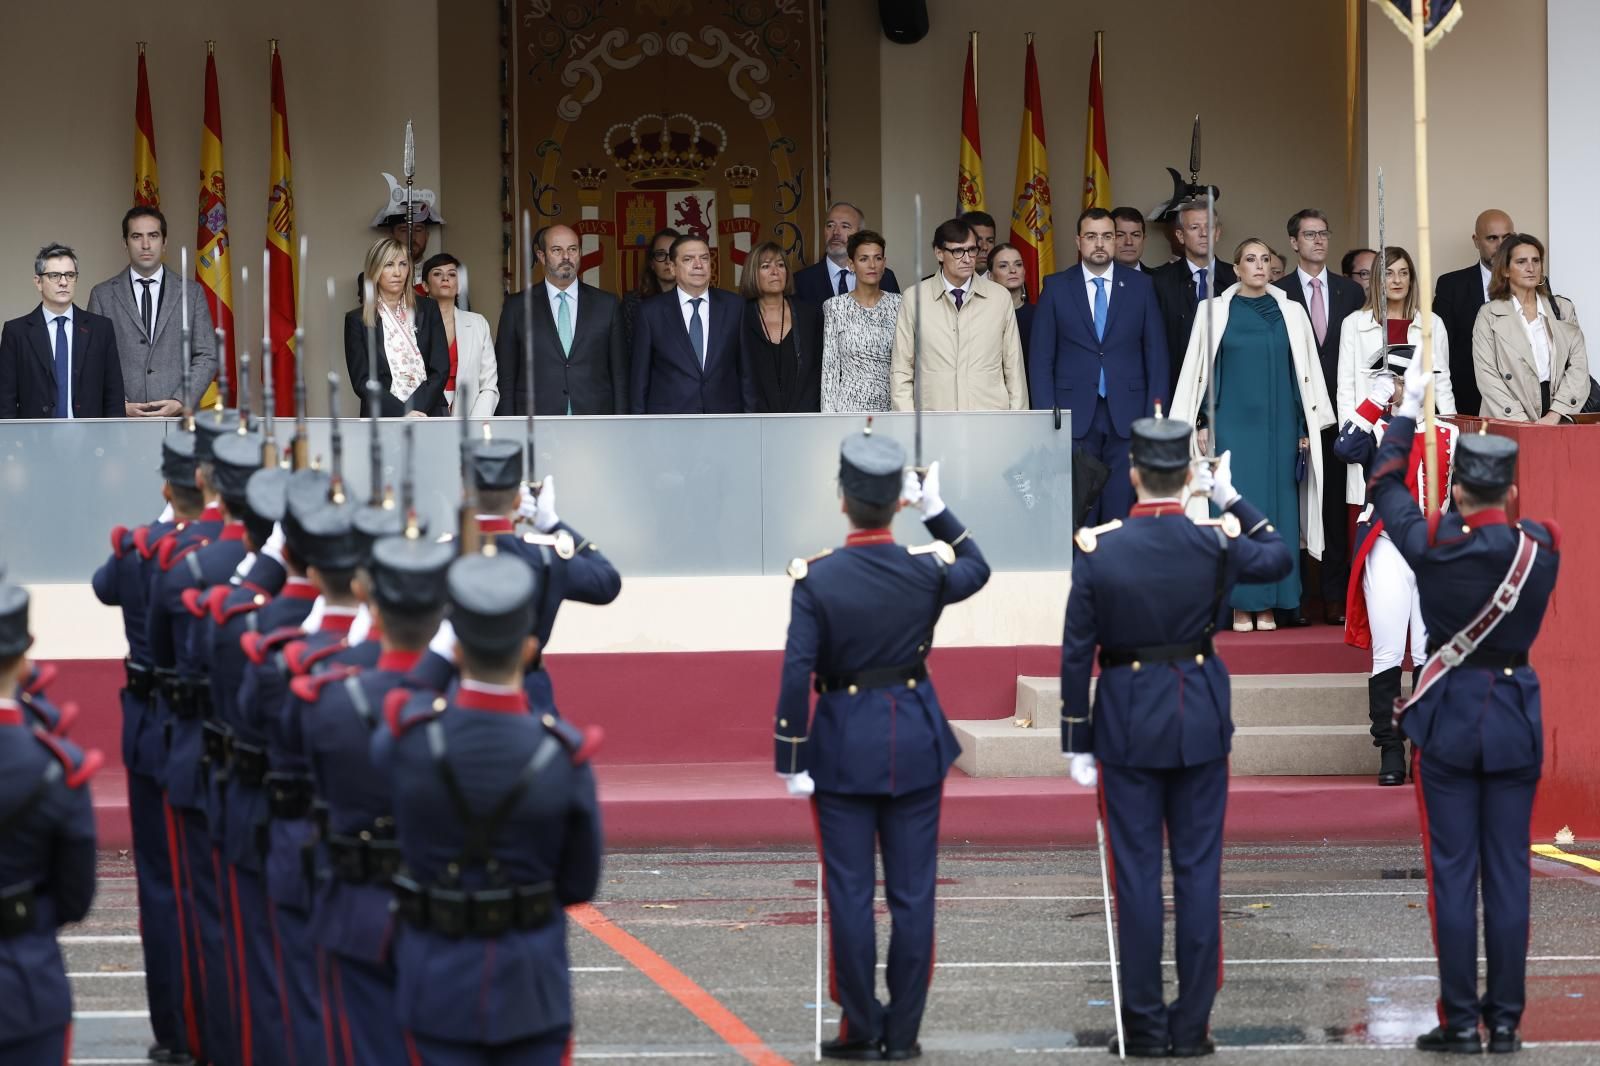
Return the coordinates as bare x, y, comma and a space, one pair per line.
1377, 294
761, 255
1500, 269
648, 284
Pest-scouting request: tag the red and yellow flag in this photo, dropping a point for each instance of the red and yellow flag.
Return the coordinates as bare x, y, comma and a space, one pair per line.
1096, 158
969, 178
213, 265
1032, 224
282, 245
146, 180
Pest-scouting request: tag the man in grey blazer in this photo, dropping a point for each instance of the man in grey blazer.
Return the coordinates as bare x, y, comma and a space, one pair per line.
143, 305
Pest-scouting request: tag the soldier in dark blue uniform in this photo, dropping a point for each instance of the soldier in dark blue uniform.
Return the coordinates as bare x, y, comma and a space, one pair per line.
1474, 723
1149, 590
860, 628
47, 857
341, 705
570, 567
499, 830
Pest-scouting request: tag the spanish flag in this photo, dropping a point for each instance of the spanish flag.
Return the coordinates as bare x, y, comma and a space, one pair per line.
146, 180
1096, 157
1032, 226
969, 179
282, 246
213, 266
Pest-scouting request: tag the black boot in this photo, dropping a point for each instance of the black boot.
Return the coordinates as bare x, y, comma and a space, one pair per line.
1382, 691
1451, 1041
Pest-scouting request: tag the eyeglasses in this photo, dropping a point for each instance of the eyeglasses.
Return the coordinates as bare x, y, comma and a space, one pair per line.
1362, 274
660, 255
59, 275
962, 253
1313, 234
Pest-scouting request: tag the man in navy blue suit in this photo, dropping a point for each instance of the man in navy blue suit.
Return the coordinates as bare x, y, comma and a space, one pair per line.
1474, 717
1099, 349
59, 361
686, 342
831, 275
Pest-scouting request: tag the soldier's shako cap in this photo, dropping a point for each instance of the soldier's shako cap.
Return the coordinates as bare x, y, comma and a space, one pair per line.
330, 538
178, 462
304, 492
496, 464
1397, 358
265, 497
871, 468
375, 522
491, 602
408, 573
209, 427
1486, 464
13, 620
1160, 443
235, 457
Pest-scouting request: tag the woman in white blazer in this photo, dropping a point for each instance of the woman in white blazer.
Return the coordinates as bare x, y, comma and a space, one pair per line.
1362, 339
474, 376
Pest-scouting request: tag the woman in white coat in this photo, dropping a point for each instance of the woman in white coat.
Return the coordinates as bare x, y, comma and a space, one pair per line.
1271, 401
1361, 344
474, 376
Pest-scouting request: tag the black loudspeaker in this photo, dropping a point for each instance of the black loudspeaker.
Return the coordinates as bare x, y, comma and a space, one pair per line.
904, 21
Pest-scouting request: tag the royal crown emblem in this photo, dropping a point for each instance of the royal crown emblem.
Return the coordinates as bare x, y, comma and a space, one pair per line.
665, 151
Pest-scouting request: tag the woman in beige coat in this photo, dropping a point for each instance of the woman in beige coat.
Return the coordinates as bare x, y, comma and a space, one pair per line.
1271, 401
1527, 349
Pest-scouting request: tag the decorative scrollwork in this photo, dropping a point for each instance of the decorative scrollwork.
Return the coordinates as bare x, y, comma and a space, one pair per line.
761, 105
546, 146
784, 144
767, 28
543, 197
556, 34
791, 239
795, 188
588, 65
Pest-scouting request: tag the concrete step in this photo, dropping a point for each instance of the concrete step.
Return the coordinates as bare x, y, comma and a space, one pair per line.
1258, 700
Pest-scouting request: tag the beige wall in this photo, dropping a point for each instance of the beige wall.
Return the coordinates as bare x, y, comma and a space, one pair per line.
69, 134
1487, 137
1272, 101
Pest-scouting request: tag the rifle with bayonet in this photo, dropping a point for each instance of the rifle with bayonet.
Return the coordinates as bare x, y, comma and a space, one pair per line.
532, 484
300, 444
335, 443
186, 341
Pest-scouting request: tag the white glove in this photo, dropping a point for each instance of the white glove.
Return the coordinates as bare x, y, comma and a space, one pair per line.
910, 488
1201, 481
273, 548
1381, 390
928, 500
360, 626
167, 514
242, 571
443, 643
544, 514
313, 621
799, 784
1081, 768
1222, 490
1416, 387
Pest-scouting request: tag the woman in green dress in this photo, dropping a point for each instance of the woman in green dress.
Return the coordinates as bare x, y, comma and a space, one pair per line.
1270, 400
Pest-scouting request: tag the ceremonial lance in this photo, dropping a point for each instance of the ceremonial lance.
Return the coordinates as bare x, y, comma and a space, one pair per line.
916, 343
532, 485
409, 167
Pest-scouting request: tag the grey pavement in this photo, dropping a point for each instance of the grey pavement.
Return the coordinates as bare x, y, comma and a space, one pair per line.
1328, 959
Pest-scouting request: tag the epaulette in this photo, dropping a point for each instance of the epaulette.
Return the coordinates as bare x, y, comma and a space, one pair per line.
42, 678
141, 542
118, 548
581, 744
193, 603
1228, 523
399, 700
1089, 536
560, 542
799, 568
1551, 533
53, 719
301, 657
222, 614
256, 646
939, 549
79, 765
169, 554
308, 688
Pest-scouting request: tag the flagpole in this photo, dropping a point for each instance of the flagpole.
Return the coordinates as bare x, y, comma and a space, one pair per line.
1424, 279
972, 40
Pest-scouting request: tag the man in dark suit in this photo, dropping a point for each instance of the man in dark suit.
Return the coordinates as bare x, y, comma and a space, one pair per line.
1130, 240
686, 342
1181, 283
832, 275
1099, 349
1456, 299
580, 366
57, 361
1327, 298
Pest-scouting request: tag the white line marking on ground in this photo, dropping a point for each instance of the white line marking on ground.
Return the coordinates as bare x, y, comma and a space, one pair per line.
107, 1015
1226, 895
1331, 960
1279, 1048
94, 974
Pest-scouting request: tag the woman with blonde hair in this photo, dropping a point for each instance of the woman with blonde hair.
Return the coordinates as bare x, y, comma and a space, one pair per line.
413, 357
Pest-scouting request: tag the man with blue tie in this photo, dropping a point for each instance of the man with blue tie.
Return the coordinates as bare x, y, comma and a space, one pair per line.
58, 361
832, 275
1099, 350
686, 342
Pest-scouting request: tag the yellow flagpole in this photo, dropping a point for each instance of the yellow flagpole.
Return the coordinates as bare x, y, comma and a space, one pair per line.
1424, 279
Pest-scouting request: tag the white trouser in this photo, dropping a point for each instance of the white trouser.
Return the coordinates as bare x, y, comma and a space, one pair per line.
1392, 605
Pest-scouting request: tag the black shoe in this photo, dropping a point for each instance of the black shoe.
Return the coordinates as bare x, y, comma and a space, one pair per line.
1194, 1051
168, 1056
1140, 1051
1504, 1040
1294, 619
1392, 764
1334, 616
901, 1054
856, 1050
1451, 1041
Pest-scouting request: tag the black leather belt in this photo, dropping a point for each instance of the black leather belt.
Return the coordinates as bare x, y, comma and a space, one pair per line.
887, 677
487, 912
370, 857
1155, 653
248, 762
189, 698
289, 796
216, 735
18, 910
141, 683
1493, 659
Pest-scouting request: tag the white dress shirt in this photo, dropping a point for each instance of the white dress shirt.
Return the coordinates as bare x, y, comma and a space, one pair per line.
1307, 279
965, 287
50, 336
834, 270
1538, 335
705, 315
553, 293
1483, 275
1194, 275
1089, 279
158, 277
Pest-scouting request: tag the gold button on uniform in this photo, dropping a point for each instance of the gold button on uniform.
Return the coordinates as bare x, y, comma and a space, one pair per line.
439, 704
852, 690
911, 683
1137, 666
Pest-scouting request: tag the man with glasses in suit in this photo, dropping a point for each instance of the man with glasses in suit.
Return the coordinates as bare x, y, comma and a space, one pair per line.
57, 361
